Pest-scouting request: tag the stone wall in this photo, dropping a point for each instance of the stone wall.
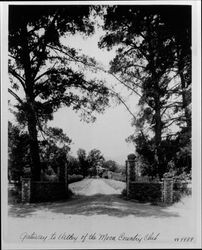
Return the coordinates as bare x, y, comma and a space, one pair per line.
147, 191
47, 191
151, 191
40, 191
26, 190
168, 190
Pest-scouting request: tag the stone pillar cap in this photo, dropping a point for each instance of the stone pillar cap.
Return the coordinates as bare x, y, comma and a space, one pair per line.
131, 157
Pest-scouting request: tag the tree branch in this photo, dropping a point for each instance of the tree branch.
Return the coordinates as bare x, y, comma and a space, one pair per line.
17, 76
124, 83
120, 99
74, 59
169, 124
173, 104
45, 73
141, 51
15, 95
172, 119
133, 65
92, 65
98, 68
44, 45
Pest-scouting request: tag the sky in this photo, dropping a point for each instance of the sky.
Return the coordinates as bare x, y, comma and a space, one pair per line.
109, 131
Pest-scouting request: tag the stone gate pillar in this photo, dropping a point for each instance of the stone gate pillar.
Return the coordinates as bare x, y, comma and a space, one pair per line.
26, 190
66, 177
130, 171
63, 176
168, 190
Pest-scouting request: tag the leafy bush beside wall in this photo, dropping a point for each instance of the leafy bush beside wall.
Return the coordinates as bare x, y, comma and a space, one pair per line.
180, 189
145, 192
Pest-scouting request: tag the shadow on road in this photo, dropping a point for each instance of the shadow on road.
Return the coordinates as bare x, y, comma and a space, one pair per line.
99, 204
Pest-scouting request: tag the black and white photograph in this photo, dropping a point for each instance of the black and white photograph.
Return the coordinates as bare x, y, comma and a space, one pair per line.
101, 116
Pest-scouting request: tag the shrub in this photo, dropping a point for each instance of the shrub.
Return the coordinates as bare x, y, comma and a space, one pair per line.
182, 187
124, 192
146, 192
74, 178
168, 175
69, 193
183, 177
14, 193
177, 195
181, 183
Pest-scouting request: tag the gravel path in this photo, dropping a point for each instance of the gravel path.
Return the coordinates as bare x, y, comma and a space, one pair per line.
94, 186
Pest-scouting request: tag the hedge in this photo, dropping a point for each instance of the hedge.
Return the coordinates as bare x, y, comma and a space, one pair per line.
146, 192
180, 189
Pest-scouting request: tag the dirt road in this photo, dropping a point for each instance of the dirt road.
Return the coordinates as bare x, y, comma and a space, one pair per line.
95, 186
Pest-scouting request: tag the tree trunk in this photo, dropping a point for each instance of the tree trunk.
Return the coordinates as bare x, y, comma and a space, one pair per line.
181, 65
31, 116
34, 146
184, 101
158, 133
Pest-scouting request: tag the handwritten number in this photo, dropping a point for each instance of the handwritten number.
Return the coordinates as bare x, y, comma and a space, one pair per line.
184, 239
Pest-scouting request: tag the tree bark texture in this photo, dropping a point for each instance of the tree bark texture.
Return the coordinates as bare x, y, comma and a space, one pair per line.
184, 101
31, 113
181, 64
158, 135
34, 147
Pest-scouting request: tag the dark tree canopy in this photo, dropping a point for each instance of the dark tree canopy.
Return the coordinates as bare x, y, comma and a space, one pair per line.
111, 166
47, 70
83, 161
153, 59
95, 160
43, 63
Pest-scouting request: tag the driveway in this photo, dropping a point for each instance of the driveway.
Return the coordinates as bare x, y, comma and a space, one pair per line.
98, 208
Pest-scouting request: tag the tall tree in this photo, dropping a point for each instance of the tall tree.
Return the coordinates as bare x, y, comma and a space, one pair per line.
110, 165
95, 160
54, 148
180, 29
84, 164
42, 66
179, 25
146, 61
